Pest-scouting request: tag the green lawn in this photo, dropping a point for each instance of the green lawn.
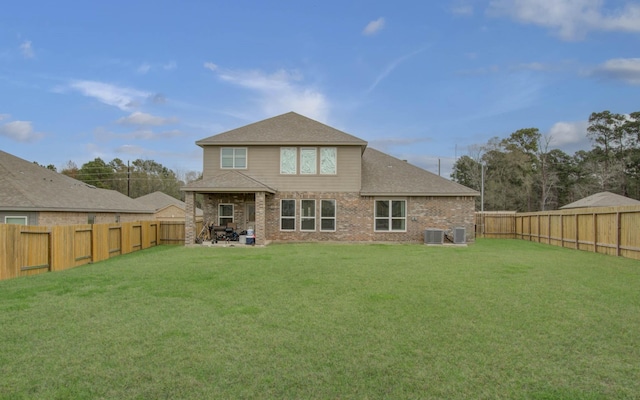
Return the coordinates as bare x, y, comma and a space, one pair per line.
498, 319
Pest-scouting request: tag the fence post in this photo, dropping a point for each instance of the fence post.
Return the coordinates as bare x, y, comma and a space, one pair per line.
618, 233
595, 233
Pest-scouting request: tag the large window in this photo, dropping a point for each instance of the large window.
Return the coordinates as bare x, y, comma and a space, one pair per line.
307, 215
308, 161
328, 160
390, 215
310, 164
288, 215
225, 214
327, 215
288, 164
18, 220
233, 157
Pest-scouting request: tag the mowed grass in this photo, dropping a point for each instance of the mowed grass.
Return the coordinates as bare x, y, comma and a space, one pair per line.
498, 319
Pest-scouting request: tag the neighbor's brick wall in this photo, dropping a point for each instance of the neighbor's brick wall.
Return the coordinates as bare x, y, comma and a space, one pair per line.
78, 218
354, 218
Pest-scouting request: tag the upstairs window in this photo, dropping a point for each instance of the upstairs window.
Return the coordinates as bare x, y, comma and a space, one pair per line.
233, 157
390, 215
328, 160
288, 158
308, 161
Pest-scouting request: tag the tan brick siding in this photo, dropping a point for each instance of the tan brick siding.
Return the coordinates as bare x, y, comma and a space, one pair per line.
354, 217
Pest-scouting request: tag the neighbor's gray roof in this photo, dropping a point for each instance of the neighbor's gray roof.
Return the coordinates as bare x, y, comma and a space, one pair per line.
25, 186
602, 199
228, 181
289, 128
384, 175
159, 200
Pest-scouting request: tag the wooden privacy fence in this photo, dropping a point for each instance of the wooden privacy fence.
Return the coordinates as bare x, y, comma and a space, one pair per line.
172, 232
31, 250
607, 230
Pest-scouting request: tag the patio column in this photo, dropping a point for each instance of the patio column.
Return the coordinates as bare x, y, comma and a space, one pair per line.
261, 225
190, 218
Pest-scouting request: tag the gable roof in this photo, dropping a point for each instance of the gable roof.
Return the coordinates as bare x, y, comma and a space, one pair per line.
25, 186
384, 175
289, 128
228, 181
159, 200
602, 199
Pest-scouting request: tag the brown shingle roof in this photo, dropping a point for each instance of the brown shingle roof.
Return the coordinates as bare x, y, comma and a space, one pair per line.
384, 175
159, 200
289, 128
25, 186
228, 181
602, 199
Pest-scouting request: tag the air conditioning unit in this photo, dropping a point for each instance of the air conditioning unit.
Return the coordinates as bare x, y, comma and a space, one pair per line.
433, 236
459, 235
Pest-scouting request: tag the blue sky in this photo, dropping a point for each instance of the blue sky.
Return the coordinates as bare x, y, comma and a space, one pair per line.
420, 80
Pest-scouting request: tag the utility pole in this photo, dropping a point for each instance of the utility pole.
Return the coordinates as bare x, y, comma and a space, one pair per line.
128, 179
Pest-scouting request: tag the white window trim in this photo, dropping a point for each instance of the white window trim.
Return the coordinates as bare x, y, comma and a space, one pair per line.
246, 157
389, 217
288, 217
24, 218
303, 218
233, 211
334, 218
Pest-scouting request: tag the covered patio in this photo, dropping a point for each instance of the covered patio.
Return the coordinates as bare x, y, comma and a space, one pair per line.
228, 199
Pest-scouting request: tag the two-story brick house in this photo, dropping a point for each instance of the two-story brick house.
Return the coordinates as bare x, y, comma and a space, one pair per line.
291, 178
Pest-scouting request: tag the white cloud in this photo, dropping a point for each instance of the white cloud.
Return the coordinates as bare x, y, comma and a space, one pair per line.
211, 66
570, 19
140, 118
133, 150
462, 9
389, 68
569, 136
27, 50
144, 68
171, 65
280, 92
625, 69
148, 134
121, 97
4, 116
20, 131
373, 27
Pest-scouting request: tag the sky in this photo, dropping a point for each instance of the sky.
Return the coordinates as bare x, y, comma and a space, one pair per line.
424, 81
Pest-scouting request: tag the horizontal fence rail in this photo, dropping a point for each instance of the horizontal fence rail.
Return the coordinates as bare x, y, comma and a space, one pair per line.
607, 230
32, 250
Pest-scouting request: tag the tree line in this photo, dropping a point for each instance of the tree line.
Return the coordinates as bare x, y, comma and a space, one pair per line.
522, 173
134, 179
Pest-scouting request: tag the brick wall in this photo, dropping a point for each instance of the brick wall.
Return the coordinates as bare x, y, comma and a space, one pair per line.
354, 217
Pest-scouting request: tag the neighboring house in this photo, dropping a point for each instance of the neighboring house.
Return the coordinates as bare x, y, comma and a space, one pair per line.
291, 178
602, 199
166, 208
33, 195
